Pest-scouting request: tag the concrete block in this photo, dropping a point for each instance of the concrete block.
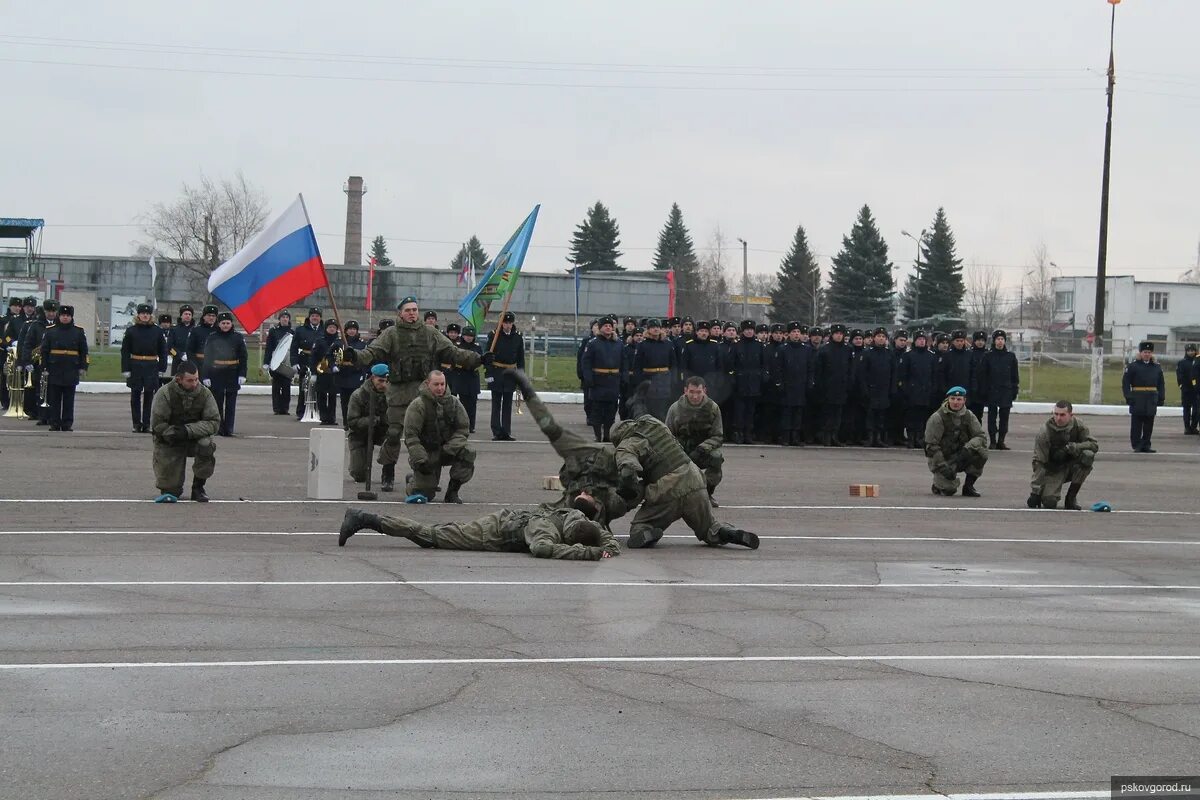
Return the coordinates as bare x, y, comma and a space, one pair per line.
326, 463
552, 482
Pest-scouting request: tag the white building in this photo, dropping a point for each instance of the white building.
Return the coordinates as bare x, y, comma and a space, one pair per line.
1167, 314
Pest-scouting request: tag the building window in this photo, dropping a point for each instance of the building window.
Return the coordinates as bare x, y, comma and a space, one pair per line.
1064, 301
1158, 301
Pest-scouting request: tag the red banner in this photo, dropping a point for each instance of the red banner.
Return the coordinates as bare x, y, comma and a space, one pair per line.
670, 293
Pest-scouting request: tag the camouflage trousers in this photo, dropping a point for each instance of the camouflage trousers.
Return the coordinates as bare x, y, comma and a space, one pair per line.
462, 469
170, 461
971, 463
679, 495
360, 459
498, 532
1048, 480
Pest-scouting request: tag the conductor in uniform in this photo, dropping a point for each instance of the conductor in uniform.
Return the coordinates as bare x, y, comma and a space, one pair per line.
143, 359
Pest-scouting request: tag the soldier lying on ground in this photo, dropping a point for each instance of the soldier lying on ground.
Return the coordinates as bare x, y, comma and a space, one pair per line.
1063, 452
543, 533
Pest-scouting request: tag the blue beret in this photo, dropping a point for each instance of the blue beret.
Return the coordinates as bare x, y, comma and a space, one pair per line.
380, 370
956, 391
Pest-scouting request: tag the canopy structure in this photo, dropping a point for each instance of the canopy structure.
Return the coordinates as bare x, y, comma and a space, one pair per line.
29, 230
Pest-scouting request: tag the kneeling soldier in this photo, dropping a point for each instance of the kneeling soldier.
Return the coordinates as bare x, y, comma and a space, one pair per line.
544, 533
366, 419
695, 421
955, 442
648, 454
1063, 452
435, 433
183, 419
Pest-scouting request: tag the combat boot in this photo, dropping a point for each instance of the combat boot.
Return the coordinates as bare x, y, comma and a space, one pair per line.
738, 536
1000, 445
1034, 500
387, 481
991, 443
452, 492
354, 521
712, 499
644, 537
198, 493
1072, 502
968, 489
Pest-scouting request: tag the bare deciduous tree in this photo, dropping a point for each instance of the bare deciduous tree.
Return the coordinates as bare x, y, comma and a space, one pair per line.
712, 280
984, 299
207, 224
1038, 308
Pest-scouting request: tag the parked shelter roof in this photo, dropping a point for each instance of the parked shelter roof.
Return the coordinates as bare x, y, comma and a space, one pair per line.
19, 227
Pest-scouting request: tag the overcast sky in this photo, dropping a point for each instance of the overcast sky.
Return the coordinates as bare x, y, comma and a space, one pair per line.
754, 116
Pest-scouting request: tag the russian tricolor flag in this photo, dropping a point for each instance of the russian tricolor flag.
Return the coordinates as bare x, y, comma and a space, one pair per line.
275, 269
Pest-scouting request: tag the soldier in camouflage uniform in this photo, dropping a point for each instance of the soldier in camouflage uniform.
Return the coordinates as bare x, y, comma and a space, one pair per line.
648, 454
183, 419
1063, 452
695, 421
589, 468
543, 533
435, 433
955, 442
411, 349
367, 409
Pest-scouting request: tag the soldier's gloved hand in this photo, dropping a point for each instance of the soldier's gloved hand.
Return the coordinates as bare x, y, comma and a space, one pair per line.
175, 434
699, 457
627, 483
948, 472
207, 382
487, 358
126, 375
423, 467
29, 367
266, 368
82, 374
241, 380
183, 357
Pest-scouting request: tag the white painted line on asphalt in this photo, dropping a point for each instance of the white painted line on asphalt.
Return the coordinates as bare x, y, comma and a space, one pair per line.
1082, 795
775, 537
427, 662
955, 509
651, 584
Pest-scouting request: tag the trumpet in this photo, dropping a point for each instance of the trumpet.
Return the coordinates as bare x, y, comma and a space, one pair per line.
310, 398
43, 389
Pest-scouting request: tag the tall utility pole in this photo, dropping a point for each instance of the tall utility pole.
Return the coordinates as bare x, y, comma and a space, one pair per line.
917, 283
745, 279
1102, 256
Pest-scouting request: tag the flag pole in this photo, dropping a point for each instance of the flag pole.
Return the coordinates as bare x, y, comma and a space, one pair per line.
328, 288
503, 311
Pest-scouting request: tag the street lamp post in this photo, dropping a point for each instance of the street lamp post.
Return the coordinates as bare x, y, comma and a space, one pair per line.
745, 278
1097, 383
917, 284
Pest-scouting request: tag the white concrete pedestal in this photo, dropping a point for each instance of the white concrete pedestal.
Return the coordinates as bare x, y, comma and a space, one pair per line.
326, 462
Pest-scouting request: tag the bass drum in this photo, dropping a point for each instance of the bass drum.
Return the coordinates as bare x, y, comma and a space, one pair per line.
279, 358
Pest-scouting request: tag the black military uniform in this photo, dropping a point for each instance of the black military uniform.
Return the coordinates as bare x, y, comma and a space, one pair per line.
199, 337
601, 368
177, 338
1145, 390
954, 366
165, 323
975, 402
998, 382
583, 382
30, 351
629, 377
467, 380
898, 402
224, 370
702, 357
749, 374
654, 363
281, 385
143, 359
1188, 393
304, 339
877, 378
770, 405
324, 361
834, 370
854, 417
727, 356
64, 356
13, 314
509, 351
797, 369
917, 380
454, 334
349, 374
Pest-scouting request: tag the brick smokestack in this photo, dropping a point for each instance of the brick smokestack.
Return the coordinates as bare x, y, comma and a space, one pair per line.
354, 190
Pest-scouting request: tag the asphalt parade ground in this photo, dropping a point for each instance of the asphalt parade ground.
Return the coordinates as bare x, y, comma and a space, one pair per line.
900, 645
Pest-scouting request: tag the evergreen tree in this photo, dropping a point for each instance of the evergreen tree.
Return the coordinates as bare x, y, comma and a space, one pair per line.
379, 252
474, 249
941, 289
594, 245
675, 252
861, 287
797, 284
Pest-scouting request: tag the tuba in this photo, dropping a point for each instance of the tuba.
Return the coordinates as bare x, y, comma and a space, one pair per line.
310, 397
16, 387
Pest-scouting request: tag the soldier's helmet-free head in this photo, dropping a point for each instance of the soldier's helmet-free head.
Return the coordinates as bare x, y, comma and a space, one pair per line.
956, 397
430, 315
332, 324
508, 317
14, 302
1191, 348
958, 333
582, 531
837, 328
1146, 347
468, 330
187, 307
942, 339
66, 311
384, 324
285, 314
164, 318
49, 305
145, 308
586, 504
208, 311
379, 370
762, 327
747, 324
352, 325
453, 327
979, 336
956, 391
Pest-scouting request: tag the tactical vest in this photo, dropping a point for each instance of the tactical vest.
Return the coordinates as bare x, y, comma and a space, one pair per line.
666, 455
